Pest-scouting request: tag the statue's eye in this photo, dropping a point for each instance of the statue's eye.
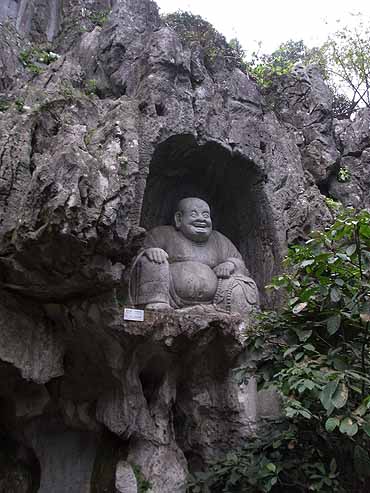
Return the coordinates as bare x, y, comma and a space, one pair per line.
193, 214
205, 215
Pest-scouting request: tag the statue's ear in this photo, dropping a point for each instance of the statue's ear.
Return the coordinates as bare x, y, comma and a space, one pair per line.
178, 217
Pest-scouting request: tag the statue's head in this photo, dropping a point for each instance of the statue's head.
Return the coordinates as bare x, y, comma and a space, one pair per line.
193, 219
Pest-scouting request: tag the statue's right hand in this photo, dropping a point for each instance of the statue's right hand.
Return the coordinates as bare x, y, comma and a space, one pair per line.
156, 255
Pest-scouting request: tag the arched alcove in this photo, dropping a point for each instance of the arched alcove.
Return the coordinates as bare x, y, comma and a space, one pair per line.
233, 187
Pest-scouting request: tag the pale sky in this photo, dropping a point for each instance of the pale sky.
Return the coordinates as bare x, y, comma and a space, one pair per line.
272, 21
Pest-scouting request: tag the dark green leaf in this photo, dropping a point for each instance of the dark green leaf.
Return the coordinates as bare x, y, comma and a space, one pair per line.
305, 263
271, 467
327, 394
333, 323
348, 427
335, 295
303, 335
351, 250
290, 351
366, 428
299, 307
331, 424
340, 396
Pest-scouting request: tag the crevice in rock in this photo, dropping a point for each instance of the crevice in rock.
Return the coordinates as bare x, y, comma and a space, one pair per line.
143, 106
109, 451
160, 109
151, 377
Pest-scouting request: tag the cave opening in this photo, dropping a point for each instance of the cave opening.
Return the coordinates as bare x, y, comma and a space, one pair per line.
151, 377
232, 185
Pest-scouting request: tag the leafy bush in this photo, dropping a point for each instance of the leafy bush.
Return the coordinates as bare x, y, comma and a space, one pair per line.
316, 354
194, 29
98, 17
344, 60
265, 67
4, 105
91, 87
344, 174
19, 104
35, 59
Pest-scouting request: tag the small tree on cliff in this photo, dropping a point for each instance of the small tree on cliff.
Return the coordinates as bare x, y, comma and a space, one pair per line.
344, 60
264, 67
347, 56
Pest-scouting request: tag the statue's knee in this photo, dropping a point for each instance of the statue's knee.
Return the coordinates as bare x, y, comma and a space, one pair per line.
152, 269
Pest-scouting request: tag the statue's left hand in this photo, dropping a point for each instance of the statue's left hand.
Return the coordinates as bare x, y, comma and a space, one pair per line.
224, 270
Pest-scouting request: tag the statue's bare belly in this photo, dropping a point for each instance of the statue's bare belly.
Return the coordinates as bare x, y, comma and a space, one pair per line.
194, 281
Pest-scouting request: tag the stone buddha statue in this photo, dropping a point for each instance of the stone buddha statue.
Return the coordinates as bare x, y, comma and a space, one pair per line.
190, 264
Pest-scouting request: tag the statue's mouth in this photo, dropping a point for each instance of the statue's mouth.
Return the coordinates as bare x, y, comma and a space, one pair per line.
200, 225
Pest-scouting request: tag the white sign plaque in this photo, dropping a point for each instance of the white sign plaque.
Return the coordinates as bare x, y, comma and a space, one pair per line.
132, 314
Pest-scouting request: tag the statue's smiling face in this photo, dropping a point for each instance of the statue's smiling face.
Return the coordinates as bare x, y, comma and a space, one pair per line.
193, 219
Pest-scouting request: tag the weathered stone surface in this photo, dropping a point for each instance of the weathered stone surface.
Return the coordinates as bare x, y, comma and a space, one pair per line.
66, 457
125, 478
96, 149
353, 140
11, 69
304, 101
29, 341
44, 20
164, 466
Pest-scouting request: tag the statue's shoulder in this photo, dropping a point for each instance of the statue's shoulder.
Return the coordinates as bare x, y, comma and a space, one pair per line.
162, 230
225, 245
219, 236
159, 236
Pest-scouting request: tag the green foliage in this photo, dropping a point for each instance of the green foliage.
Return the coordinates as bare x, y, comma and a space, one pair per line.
342, 107
194, 29
347, 55
35, 59
316, 353
4, 105
344, 60
19, 104
143, 485
91, 87
264, 464
67, 90
265, 67
98, 17
344, 174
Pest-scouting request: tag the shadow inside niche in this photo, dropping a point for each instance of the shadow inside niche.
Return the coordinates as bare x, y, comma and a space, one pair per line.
19, 466
233, 187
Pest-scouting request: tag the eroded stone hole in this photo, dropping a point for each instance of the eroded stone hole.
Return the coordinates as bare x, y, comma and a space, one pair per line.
160, 109
151, 377
231, 184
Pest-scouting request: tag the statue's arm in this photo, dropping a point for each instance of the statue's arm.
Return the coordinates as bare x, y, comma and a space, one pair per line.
153, 247
232, 262
239, 265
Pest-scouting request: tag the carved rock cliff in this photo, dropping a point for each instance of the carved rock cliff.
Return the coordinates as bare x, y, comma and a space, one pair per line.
96, 147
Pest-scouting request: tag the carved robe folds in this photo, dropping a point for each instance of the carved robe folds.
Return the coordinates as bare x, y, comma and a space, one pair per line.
187, 278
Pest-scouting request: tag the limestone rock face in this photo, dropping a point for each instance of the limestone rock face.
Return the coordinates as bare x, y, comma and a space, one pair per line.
95, 148
304, 102
353, 140
125, 478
